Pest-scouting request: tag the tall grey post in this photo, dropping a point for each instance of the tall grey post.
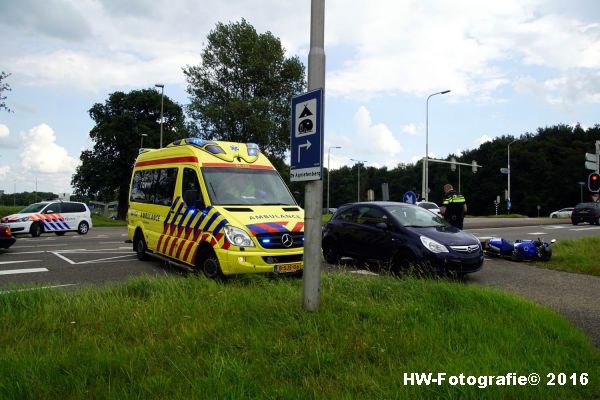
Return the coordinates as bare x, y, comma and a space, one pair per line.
508, 167
162, 96
425, 193
313, 195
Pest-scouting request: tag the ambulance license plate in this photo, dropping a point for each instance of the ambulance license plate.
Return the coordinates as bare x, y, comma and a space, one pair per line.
283, 268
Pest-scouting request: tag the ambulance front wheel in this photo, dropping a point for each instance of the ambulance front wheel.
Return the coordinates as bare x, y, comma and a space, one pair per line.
36, 229
209, 264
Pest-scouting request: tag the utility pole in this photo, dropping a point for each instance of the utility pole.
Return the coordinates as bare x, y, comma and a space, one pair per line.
313, 195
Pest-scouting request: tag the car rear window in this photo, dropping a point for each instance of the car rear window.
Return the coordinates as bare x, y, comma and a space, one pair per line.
586, 205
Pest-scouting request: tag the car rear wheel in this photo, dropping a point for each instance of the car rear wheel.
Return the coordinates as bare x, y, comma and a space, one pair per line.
554, 216
36, 229
330, 252
83, 228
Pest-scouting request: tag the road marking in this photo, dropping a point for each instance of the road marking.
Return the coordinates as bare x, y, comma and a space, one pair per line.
119, 242
557, 227
36, 288
23, 271
537, 233
27, 252
18, 262
584, 229
122, 258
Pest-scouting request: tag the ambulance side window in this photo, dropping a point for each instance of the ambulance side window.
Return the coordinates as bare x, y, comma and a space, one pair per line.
164, 187
190, 189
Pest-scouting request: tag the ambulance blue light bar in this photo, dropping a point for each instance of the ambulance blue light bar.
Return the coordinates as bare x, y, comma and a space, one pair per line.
253, 149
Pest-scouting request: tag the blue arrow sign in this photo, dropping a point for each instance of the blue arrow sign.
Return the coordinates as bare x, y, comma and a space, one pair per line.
306, 161
410, 197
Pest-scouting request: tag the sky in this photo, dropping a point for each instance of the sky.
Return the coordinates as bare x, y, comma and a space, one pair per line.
512, 66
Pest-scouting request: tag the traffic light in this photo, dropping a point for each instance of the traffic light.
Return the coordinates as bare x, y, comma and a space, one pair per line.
594, 182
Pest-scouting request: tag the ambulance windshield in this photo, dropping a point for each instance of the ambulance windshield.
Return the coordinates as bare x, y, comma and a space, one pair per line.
237, 186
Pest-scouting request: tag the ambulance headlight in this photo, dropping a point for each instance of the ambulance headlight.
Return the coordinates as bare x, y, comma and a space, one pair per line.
433, 246
238, 237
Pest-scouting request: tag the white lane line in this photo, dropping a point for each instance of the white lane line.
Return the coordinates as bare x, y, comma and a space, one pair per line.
120, 242
23, 271
109, 259
37, 245
583, 229
37, 288
27, 252
557, 226
63, 257
537, 233
17, 262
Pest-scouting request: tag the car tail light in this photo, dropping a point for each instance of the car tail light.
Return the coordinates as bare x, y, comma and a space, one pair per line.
5, 231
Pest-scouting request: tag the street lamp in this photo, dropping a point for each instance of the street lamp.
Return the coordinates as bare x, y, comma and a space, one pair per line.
358, 163
162, 96
328, 172
425, 191
142, 141
509, 203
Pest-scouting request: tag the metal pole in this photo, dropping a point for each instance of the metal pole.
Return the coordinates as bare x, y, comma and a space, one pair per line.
313, 196
426, 164
162, 97
509, 171
328, 171
358, 163
459, 179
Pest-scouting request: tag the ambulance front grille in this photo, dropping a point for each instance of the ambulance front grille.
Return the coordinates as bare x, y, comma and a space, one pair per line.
277, 240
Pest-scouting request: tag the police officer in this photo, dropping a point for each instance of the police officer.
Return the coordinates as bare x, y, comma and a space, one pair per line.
454, 206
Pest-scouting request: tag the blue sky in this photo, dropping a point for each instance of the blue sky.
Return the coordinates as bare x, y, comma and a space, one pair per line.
512, 66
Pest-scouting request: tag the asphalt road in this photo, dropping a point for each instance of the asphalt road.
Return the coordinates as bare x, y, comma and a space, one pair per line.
103, 256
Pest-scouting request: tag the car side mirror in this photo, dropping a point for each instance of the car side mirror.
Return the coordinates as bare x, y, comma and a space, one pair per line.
381, 225
49, 212
192, 199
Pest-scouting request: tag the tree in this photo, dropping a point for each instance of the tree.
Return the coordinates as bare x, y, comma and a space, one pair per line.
241, 91
105, 171
4, 87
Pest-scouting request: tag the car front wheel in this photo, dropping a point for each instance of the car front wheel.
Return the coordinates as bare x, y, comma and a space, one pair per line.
330, 252
83, 228
36, 229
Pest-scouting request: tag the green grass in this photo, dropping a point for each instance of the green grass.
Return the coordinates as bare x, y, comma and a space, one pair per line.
250, 338
8, 210
100, 220
577, 255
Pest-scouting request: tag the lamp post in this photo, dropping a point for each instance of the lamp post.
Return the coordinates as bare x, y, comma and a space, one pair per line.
425, 191
358, 162
162, 97
509, 203
142, 140
329, 172
581, 184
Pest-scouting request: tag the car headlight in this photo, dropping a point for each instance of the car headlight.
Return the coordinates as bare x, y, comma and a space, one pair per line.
432, 245
238, 237
23, 219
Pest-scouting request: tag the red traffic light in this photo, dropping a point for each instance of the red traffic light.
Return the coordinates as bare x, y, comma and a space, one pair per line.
594, 182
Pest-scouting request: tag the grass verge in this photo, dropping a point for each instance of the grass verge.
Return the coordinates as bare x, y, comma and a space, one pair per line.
250, 338
100, 220
577, 255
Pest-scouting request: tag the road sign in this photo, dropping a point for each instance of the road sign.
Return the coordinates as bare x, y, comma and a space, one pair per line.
504, 170
591, 157
410, 197
590, 165
307, 137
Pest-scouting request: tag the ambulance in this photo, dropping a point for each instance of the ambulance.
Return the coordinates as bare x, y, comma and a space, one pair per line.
217, 207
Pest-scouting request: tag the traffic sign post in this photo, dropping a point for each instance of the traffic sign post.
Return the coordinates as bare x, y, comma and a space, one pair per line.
307, 137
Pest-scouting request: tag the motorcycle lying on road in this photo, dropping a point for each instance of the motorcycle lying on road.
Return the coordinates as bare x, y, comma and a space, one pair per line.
521, 250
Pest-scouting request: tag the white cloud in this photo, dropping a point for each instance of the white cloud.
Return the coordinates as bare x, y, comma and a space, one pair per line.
4, 131
410, 129
42, 155
483, 139
4, 171
380, 139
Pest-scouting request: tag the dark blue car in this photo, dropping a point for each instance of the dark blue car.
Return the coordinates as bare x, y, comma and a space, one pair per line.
402, 235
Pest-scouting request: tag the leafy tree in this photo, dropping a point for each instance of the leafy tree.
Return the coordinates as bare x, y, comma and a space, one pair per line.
105, 171
242, 89
4, 87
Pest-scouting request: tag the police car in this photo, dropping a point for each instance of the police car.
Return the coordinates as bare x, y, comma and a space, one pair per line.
50, 216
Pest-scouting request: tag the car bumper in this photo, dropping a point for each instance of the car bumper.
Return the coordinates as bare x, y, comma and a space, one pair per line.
19, 227
247, 262
456, 263
6, 242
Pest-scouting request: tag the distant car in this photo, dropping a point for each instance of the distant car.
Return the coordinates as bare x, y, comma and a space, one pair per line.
50, 216
6, 238
428, 205
402, 234
562, 213
586, 212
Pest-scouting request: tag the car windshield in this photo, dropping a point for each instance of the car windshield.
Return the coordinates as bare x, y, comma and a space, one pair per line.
408, 215
33, 208
237, 186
